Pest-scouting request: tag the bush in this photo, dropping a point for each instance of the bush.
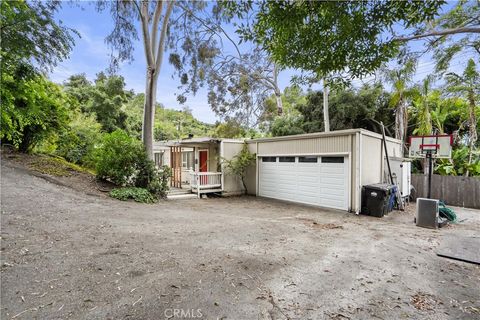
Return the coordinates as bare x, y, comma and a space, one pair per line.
77, 144
33, 108
122, 160
149, 177
239, 164
137, 194
117, 157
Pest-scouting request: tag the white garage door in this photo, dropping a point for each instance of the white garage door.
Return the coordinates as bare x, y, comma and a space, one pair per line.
316, 180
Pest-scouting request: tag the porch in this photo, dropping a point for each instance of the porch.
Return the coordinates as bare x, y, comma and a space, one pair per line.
195, 165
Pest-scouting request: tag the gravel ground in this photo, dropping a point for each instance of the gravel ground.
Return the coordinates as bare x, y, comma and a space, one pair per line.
66, 254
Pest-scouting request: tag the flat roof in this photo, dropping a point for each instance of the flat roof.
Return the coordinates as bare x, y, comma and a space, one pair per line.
324, 134
194, 140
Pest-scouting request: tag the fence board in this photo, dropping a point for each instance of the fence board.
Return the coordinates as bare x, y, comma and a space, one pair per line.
453, 190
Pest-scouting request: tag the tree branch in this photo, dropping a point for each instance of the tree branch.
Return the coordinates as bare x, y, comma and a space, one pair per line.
163, 35
439, 33
212, 30
146, 34
155, 22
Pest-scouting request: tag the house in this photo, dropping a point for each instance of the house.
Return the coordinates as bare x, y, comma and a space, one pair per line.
326, 169
197, 164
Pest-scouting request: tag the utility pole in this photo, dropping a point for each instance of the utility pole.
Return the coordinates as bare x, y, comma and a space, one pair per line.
326, 119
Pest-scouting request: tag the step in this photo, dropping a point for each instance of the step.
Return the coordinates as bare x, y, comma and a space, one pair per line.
182, 196
179, 191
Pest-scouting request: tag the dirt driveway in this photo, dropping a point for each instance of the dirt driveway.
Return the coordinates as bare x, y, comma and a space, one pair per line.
68, 255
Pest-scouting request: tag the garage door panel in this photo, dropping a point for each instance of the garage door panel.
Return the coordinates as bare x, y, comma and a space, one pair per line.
316, 183
332, 170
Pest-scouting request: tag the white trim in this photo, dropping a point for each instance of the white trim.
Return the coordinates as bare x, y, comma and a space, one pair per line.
257, 183
308, 135
379, 136
348, 176
349, 181
221, 164
232, 141
358, 189
304, 154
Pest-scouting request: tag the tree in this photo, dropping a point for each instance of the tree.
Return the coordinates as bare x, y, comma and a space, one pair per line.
78, 87
229, 129
422, 104
107, 101
30, 33
182, 27
239, 85
447, 115
336, 39
33, 108
454, 32
362, 108
291, 97
105, 98
287, 125
402, 93
468, 84
240, 163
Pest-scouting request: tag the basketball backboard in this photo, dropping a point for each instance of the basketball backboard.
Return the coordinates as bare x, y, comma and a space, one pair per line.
439, 146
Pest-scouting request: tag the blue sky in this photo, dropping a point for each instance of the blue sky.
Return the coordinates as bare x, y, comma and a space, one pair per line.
91, 55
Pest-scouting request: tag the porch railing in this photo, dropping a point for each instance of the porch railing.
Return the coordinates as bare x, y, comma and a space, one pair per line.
205, 180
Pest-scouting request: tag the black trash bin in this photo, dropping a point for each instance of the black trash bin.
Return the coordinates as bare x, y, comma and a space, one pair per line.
376, 199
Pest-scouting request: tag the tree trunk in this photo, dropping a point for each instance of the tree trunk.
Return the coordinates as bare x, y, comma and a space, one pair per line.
326, 117
278, 94
149, 112
244, 184
278, 98
400, 122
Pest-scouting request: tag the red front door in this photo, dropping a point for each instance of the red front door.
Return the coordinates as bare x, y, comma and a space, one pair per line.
203, 166
203, 161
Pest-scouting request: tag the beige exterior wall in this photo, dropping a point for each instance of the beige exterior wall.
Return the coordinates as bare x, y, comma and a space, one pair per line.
364, 149
318, 145
343, 144
251, 180
373, 156
232, 185
371, 160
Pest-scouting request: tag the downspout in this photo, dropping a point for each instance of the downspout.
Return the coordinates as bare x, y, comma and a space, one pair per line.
256, 170
358, 170
221, 165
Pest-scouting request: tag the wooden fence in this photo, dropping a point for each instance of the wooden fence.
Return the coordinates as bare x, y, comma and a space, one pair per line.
453, 190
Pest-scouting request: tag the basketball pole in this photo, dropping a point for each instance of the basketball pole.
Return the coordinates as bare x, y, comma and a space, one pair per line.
430, 169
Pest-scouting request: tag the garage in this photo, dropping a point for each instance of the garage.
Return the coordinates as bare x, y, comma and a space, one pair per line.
316, 180
324, 169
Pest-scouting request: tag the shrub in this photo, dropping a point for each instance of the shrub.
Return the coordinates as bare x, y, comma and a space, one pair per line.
33, 108
149, 177
117, 157
137, 194
239, 164
159, 184
77, 144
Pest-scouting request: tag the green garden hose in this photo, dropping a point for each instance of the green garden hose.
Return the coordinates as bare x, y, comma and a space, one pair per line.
446, 212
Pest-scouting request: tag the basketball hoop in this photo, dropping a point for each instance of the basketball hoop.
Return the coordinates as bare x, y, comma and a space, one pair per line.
437, 146
431, 147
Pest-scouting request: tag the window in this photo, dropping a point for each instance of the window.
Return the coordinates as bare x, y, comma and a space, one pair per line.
310, 159
286, 159
187, 160
269, 159
158, 158
332, 159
